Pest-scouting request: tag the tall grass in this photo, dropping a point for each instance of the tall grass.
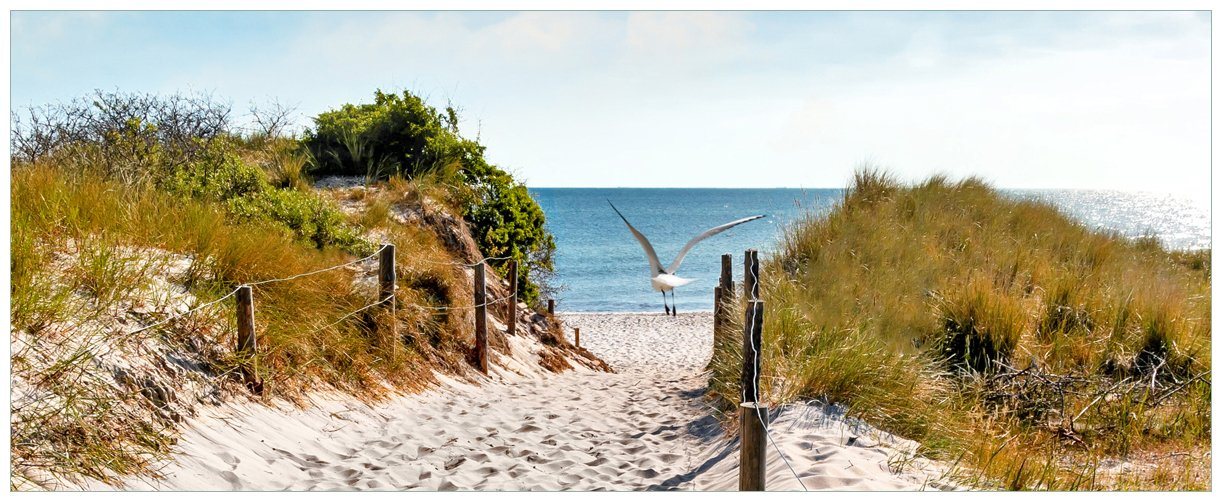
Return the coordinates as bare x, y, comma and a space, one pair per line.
84, 246
1007, 338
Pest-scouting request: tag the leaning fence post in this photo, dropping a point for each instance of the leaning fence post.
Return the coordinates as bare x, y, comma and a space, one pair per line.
247, 348
577, 337
511, 324
718, 295
481, 320
751, 274
551, 307
386, 288
752, 414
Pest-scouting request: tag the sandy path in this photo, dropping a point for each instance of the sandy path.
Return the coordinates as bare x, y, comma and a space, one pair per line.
645, 427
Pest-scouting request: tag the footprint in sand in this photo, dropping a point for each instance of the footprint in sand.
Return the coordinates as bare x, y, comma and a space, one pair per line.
229, 459
234, 482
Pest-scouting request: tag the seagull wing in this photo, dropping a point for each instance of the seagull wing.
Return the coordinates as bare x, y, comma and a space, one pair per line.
707, 233
655, 265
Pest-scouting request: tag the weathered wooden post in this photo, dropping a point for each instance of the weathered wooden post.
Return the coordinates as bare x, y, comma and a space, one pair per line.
751, 274
752, 414
577, 336
247, 346
386, 289
751, 468
481, 320
727, 275
551, 307
723, 294
511, 324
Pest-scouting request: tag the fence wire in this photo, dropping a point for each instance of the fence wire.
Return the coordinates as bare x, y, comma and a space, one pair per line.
755, 360
337, 267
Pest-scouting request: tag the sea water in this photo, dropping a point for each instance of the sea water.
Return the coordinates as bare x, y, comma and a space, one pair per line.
601, 268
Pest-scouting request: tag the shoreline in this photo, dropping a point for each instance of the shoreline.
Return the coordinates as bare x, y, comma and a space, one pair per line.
611, 312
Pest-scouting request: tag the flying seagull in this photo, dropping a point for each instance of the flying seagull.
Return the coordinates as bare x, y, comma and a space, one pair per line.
664, 279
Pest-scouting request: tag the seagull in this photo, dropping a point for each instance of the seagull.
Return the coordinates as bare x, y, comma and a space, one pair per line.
664, 279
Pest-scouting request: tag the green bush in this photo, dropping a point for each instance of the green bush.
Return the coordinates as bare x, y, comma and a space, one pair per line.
402, 135
244, 189
304, 214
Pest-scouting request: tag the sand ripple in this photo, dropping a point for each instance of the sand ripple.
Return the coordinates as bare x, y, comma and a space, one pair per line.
647, 426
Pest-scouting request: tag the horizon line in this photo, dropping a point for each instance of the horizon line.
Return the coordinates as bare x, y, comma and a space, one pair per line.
528, 186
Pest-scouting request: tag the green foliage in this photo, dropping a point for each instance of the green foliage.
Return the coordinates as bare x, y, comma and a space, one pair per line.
401, 135
509, 223
221, 176
304, 214
396, 134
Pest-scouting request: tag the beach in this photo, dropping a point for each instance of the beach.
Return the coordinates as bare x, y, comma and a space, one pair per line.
647, 426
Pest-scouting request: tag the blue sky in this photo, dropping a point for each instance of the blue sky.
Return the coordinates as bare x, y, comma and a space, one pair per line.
1024, 99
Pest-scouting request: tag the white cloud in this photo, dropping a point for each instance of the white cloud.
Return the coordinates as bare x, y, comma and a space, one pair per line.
690, 98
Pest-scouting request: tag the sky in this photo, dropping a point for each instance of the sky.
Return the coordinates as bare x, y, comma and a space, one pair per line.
1104, 100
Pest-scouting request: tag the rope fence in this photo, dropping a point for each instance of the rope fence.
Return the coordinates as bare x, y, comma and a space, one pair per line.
755, 431
247, 344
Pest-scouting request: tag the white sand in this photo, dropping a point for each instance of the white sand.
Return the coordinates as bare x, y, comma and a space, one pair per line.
647, 426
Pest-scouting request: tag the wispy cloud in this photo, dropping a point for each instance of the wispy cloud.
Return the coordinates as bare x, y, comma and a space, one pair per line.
1036, 99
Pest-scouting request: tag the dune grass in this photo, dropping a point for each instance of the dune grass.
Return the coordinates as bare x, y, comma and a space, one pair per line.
84, 248
1012, 342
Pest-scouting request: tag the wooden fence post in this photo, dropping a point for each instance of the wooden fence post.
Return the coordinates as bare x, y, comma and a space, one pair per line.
551, 307
723, 295
753, 325
247, 346
386, 289
727, 276
751, 468
481, 320
751, 274
511, 324
577, 336
752, 414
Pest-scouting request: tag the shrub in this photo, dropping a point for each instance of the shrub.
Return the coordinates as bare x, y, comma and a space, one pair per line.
400, 135
132, 137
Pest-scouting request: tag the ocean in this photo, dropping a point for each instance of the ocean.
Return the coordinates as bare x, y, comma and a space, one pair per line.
601, 268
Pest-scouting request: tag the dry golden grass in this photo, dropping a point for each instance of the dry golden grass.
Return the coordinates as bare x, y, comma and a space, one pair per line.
84, 426
1010, 340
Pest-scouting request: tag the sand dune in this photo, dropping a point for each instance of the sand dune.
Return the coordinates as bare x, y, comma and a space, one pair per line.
647, 426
